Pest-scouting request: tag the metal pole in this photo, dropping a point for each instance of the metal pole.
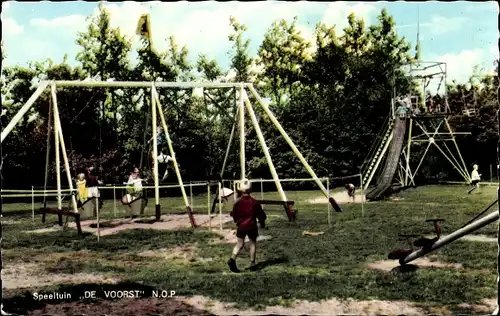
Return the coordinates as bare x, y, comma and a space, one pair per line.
328, 204
172, 154
155, 152
292, 146
208, 208
229, 144
33, 203
362, 196
191, 193
220, 207
491, 173
242, 135
57, 120
452, 237
147, 84
98, 217
57, 151
114, 204
262, 192
234, 190
456, 146
47, 154
265, 149
19, 115
408, 153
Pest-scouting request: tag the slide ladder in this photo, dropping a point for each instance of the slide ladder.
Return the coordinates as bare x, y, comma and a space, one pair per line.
383, 143
392, 161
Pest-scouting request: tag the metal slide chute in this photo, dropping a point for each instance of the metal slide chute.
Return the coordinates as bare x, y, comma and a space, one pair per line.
391, 163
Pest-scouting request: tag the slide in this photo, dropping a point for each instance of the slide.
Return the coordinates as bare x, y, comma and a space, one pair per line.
391, 163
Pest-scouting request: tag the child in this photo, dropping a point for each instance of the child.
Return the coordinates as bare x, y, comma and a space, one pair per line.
351, 190
81, 184
246, 212
475, 177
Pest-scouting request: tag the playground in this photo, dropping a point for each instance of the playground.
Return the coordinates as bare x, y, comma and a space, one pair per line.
335, 269
129, 196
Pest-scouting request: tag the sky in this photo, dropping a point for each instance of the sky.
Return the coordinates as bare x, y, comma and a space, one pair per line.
462, 34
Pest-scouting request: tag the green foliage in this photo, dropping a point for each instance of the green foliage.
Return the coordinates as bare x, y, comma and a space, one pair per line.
331, 96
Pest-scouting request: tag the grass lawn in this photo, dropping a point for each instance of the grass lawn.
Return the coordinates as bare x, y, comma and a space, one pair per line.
313, 268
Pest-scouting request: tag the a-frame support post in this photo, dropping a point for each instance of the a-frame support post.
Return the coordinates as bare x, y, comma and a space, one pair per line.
19, 115
408, 153
456, 146
155, 153
263, 144
172, 154
58, 128
57, 156
294, 148
47, 154
241, 108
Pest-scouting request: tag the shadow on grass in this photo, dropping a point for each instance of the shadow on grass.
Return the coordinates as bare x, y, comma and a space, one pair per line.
272, 262
407, 268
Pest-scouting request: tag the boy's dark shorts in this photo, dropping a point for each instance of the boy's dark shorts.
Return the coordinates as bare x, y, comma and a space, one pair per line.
474, 182
252, 234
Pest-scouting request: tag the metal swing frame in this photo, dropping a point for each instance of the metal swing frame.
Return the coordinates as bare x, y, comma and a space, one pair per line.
244, 103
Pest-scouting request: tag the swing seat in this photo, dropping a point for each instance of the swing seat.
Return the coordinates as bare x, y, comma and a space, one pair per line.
226, 193
89, 207
399, 254
425, 242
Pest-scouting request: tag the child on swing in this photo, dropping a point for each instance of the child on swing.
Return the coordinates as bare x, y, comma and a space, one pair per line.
246, 212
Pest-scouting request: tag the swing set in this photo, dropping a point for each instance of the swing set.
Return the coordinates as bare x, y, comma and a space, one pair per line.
243, 106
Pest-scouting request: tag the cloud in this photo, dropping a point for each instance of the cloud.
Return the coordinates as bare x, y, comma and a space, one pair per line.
460, 65
337, 13
69, 23
440, 25
11, 28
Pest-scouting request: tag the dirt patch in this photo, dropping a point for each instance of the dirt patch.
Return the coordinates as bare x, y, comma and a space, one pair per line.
480, 238
166, 222
389, 265
143, 306
228, 236
327, 307
486, 306
185, 253
21, 275
55, 228
340, 197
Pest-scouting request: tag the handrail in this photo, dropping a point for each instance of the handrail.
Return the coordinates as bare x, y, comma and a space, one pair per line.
376, 144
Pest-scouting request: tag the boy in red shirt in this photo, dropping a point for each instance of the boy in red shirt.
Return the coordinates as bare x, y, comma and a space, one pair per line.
246, 212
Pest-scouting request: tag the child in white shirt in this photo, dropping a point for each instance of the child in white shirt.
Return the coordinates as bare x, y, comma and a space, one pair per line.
475, 177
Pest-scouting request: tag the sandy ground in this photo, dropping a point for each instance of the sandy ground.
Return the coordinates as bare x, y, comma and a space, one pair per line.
167, 222
390, 265
185, 253
19, 275
228, 236
487, 306
341, 198
480, 238
327, 307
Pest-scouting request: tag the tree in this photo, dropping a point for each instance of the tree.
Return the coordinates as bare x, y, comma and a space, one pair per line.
283, 54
